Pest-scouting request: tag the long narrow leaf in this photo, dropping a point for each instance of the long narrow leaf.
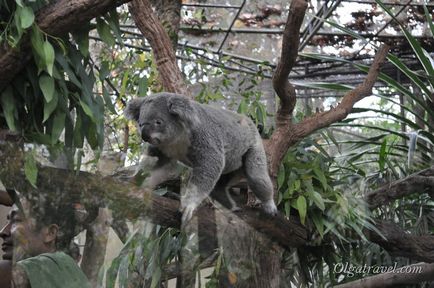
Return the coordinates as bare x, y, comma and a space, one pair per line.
417, 48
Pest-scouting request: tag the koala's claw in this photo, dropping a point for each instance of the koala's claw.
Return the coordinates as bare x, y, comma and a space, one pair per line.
187, 213
270, 208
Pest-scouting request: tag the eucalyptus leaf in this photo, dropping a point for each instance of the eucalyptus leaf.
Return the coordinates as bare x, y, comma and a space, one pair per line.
46, 83
48, 57
30, 169
50, 107
104, 32
8, 106
302, 208
26, 16
58, 126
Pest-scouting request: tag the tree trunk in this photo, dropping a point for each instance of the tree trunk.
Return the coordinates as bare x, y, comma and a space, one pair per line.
95, 247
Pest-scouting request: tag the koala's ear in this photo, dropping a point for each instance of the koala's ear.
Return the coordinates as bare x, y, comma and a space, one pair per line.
132, 111
183, 108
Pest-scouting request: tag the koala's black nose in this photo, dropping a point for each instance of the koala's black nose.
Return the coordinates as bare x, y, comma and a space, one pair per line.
145, 136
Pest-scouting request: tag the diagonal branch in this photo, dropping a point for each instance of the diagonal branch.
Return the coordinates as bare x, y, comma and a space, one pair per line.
164, 55
325, 119
420, 182
291, 40
286, 136
400, 243
55, 19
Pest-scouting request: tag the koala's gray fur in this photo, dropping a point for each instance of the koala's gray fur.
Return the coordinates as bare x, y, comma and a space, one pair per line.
210, 140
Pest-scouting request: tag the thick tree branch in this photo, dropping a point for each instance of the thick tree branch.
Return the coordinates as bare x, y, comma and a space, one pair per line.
291, 41
400, 243
325, 119
55, 19
164, 55
406, 275
169, 13
132, 202
420, 182
286, 136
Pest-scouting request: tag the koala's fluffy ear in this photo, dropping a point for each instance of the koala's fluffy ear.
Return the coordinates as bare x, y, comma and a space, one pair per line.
132, 111
183, 108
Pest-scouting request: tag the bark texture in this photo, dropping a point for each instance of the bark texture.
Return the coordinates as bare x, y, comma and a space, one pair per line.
420, 182
400, 243
169, 13
55, 19
165, 58
90, 188
95, 248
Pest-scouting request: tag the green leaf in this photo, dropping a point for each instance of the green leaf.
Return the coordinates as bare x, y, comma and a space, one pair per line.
8, 106
26, 16
319, 224
58, 125
104, 32
281, 177
429, 19
112, 272
156, 277
320, 175
30, 169
50, 107
49, 57
324, 85
82, 38
108, 100
46, 83
104, 71
343, 202
243, 107
87, 110
38, 47
287, 208
414, 43
382, 155
123, 271
78, 134
143, 87
113, 21
317, 199
302, 208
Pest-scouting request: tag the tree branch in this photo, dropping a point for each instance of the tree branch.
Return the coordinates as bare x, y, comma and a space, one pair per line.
286, 136
164, 55
400, 243
325, 119
416, 273
291, 41
420, 182
55, 19
133, 202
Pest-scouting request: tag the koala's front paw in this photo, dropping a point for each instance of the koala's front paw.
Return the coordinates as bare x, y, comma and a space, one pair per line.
270, 208
187, 210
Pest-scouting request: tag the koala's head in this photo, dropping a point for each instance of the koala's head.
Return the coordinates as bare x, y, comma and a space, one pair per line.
160, 117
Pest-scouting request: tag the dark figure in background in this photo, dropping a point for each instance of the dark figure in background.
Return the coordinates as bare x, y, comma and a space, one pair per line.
33, 240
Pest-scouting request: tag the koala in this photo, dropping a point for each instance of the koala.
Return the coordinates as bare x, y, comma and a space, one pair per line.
210, 140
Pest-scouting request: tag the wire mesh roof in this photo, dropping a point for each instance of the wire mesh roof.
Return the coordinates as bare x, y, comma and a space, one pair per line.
246, 36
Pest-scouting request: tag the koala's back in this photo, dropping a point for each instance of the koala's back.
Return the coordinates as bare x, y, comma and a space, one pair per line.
237, 133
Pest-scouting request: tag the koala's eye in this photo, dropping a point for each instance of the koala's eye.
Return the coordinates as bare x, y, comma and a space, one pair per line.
144, 124
158, 122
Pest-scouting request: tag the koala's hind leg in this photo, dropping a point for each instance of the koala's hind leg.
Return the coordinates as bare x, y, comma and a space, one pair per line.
255, 169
